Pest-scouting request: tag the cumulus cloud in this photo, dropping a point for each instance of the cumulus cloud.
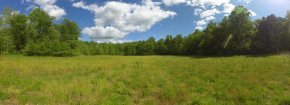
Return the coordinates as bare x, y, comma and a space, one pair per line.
205, 9
199, 28
103, 32
209, 18
49, 7
204, 3
173, 2
201, 23
111, 41
252, 13
209, 13
245, 1
115, 19
196, 2
197, 11
228, 8
208, 9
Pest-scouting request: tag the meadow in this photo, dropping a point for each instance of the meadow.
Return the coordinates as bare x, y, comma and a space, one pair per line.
145, 80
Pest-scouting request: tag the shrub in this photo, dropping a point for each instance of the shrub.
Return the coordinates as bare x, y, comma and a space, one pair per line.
48, 48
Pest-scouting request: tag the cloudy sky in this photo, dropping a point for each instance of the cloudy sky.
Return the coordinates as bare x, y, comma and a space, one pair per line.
130, 20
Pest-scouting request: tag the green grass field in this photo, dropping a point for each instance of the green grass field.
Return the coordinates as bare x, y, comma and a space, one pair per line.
148, 80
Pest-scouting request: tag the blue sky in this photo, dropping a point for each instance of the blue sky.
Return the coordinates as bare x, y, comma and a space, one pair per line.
130, 20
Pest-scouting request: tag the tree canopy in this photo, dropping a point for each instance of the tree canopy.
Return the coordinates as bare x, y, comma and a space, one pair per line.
38, 34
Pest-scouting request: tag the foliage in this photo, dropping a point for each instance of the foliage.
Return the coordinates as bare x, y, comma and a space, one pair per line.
18, 31
6, 43
272, 35
236, 34
36, 34
69, 30
42, 23
48, 47
239, 30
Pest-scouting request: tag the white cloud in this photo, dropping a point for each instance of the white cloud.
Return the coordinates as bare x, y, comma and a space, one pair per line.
201, 3
111, 41
209, 18
201, 23
245, 1
206, 16
199, 28
208, 9
115, 19
173, 2
209, 13
205, 9
197, 11
228, 8
103, 32
49, 7
252, 13
204, 3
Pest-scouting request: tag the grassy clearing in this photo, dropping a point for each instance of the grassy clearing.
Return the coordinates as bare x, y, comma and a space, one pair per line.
127, 80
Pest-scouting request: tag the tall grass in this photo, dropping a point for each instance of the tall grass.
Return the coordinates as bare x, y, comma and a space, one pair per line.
145, 80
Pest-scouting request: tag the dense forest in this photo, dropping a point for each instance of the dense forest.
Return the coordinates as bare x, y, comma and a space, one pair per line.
237, 34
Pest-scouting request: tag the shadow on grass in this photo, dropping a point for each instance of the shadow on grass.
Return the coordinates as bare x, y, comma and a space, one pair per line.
230, 56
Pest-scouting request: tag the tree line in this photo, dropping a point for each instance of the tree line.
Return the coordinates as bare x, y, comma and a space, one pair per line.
236, 34
36, 34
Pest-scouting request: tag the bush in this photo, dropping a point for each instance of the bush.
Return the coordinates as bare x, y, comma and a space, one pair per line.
48, 48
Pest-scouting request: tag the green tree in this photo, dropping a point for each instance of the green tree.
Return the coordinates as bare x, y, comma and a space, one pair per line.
177, 42
161, 48
191, 44
240, 30
6, 42
70, 32
100, 50
169, 44
271, 36
47, 39
208, 41
129, 49
150, 45
42, 23
83, 48
111, 49
30, 32
18, 30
